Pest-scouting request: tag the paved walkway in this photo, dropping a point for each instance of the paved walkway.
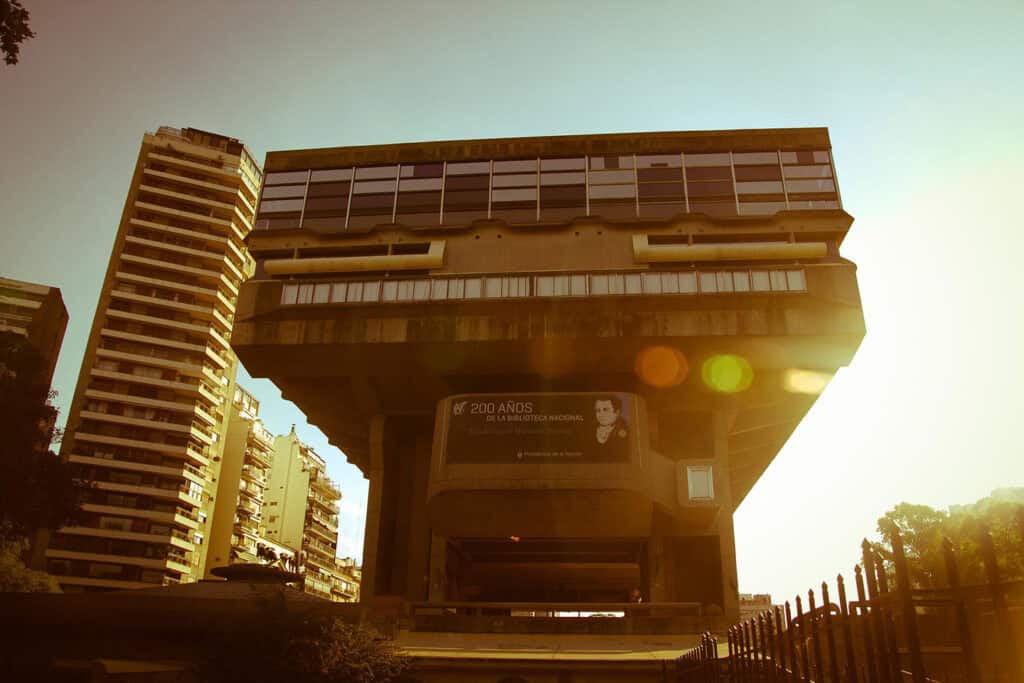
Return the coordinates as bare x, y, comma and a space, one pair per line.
530, 646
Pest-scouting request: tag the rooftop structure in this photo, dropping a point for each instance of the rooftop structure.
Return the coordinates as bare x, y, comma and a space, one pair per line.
561, 362
145, 421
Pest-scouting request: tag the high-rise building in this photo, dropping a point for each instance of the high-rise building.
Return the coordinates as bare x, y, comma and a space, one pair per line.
149, 406
561, 362
346, 579
37, 313
236, 526
301, 510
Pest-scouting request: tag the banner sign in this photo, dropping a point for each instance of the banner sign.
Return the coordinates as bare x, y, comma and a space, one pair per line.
509, 429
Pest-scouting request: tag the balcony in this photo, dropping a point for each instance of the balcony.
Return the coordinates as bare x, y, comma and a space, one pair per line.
204, 273
147, 339
178, 493
175, 537
119, 463
214, 171
166, 301
159, 322
150, 359
260, 456
132, 443
148, 381
181, 516
188, 198
192, 216
159, 425
249, 506
191, 182
209, 238
166, 284
322, 532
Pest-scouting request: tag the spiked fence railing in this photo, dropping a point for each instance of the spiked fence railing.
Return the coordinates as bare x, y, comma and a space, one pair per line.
877, 638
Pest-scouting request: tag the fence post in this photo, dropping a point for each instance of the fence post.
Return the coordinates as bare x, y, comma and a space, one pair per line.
819, 670
773, 652
906, 599
791, 655
805, 661
962, 624
731, 634
780, 642
889, 621
833, 658
762, 647
864, 620
1002, 616
850, 674
877, 616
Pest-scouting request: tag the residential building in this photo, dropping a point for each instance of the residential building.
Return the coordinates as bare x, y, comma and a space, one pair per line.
37, 313
752, 604
151, 400
302, 510
236, 526
345, 581
561, 362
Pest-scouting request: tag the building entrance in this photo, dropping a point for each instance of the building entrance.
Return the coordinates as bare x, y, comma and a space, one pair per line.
545, 570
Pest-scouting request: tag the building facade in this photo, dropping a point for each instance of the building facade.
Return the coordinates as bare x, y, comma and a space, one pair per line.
152, 396
561, 362
346, 580
302, 511
37, 313
236, 528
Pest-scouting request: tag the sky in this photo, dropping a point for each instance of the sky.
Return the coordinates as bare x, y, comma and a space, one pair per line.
923, 102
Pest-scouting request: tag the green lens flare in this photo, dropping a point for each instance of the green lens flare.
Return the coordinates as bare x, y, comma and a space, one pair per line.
727, 373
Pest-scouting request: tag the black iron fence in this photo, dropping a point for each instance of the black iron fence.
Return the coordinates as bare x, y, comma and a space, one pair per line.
891, 633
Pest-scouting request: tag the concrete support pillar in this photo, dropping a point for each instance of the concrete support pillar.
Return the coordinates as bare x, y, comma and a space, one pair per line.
438, 568
722, 418
417, 583
375, 474
657, 566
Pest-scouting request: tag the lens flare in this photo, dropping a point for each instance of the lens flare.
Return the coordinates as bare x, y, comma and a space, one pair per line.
727, 373
661, 366
798, 381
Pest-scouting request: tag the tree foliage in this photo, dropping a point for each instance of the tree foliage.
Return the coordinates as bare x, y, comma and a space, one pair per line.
284, 646
15, 577
37, 489
923, 530
14, 29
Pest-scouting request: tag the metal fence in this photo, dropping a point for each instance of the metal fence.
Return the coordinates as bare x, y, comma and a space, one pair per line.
890, 633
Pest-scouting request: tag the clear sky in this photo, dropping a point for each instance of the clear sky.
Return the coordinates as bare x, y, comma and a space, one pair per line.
923, 101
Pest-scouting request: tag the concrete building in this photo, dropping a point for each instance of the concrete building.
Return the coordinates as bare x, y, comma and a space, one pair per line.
37, 313
149, 406
561, 362
236, 528
302, 510
346, 579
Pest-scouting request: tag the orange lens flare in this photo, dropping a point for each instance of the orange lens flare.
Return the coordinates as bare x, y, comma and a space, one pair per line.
661, 366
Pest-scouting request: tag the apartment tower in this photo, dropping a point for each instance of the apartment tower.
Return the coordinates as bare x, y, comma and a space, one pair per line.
151, 397
301, 511
236, 527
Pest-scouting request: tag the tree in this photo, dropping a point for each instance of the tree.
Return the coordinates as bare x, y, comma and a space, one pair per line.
923, 530
37, 489
299, 648
14, 29
15, 577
